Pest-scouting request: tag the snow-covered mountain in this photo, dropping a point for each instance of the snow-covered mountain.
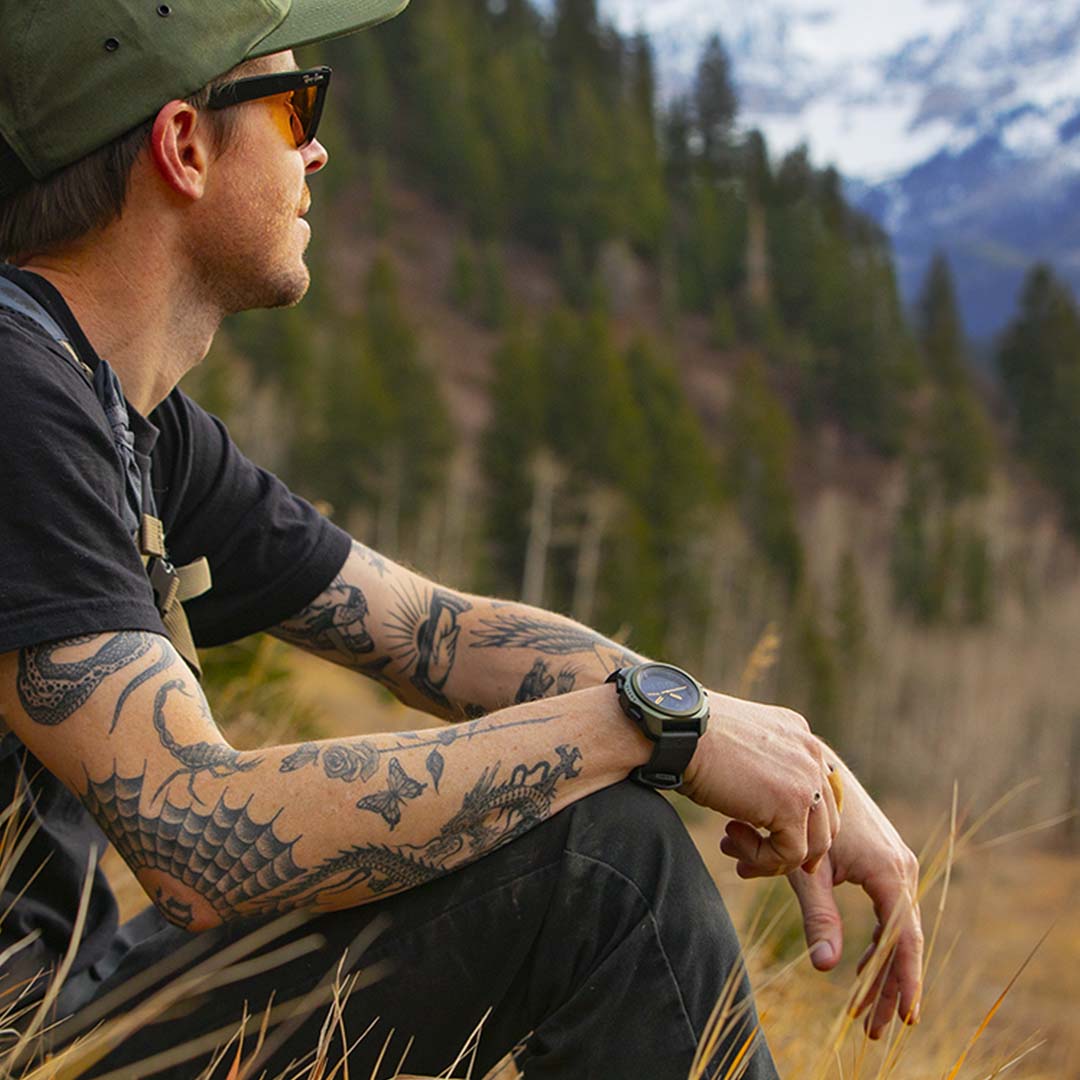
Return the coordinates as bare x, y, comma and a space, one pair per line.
956, 122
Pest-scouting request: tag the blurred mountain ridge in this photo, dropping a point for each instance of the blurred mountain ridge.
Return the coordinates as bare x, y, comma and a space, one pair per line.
955, 122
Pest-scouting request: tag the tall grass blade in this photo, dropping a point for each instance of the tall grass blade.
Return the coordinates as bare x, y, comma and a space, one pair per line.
997, 1005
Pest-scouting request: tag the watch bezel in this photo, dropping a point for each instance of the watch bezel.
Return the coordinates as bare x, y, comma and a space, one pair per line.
655, 719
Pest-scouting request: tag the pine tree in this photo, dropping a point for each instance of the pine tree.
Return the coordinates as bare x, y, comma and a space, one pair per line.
584, 50
715, 104
960, 438
519, 405
642, 80
677, 129
940, 328
759, 459
920, 567
1039, 360
421, 434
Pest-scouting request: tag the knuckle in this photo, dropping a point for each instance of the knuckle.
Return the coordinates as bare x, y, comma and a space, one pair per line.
798, 721
909, 863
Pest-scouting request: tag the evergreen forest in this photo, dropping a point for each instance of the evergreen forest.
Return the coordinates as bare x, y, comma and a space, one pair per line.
574, 344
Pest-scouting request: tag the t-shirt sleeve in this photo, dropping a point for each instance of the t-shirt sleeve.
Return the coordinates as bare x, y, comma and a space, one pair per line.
270, 552
67, 564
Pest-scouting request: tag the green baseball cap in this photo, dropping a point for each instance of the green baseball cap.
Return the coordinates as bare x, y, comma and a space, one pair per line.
76, 74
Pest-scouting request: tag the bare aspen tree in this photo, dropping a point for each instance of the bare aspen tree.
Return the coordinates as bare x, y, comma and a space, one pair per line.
600, 508
452, 553
546, 475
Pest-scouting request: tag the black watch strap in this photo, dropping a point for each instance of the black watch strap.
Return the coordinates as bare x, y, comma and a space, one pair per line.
670, 757
672, 752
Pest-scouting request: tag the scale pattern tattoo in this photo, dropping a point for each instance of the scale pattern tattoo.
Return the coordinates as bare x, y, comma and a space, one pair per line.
224, 855
217, 759
243, 867
381, 867
51, 690
516, 631
492, 815
162, 663
424, 630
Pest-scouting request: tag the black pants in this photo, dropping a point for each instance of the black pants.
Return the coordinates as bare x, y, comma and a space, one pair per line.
598, 940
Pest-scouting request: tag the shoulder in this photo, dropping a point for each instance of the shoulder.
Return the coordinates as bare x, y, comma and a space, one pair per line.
44, 393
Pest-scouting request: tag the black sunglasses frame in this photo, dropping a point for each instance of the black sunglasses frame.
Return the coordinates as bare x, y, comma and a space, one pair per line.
280, 82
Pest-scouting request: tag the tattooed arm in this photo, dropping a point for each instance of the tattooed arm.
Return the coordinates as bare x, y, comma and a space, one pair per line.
214, 833
451, 654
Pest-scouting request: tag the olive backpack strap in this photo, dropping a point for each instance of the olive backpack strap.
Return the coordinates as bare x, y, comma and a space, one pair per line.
172, 585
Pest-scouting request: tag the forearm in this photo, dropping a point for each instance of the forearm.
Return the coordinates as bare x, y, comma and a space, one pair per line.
509, 653
449, 653
337, 823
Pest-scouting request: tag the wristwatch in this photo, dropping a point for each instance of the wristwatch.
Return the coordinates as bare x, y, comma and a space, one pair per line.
671, 708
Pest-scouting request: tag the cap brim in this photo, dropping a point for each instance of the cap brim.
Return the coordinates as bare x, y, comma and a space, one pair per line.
310, 21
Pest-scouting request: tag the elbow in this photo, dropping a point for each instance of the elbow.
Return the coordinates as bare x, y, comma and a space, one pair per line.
179, 904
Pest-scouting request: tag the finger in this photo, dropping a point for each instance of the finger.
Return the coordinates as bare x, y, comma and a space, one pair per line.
757, 854
870, 995
906, 942
909, 972
741, 841
833, 805
818, 833
881, 1016
822, 924
836, 783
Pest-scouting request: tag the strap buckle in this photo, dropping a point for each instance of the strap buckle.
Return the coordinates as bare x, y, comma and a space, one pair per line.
165, 581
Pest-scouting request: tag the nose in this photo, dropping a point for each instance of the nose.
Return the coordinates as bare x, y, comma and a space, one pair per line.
315, 157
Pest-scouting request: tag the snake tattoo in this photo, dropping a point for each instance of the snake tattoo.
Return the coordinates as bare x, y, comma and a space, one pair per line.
51, 690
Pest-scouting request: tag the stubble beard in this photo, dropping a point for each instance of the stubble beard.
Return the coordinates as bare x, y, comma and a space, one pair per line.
255, 270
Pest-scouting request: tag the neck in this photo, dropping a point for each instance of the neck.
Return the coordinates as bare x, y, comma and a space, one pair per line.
136, 307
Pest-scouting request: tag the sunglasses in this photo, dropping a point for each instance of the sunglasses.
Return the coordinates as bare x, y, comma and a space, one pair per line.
305, 90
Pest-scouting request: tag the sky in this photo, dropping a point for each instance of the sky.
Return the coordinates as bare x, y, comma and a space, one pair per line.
814, 71
833, 53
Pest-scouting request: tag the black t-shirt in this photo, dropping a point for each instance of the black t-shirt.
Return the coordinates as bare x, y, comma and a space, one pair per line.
68, 567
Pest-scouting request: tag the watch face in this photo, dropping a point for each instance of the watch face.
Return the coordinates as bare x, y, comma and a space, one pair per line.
668, 688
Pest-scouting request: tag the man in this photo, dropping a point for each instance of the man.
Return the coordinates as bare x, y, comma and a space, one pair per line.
145, 195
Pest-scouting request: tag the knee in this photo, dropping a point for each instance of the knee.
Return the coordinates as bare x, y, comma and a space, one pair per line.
637, 833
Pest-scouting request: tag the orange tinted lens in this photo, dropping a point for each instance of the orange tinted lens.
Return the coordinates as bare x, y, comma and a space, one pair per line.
301, 111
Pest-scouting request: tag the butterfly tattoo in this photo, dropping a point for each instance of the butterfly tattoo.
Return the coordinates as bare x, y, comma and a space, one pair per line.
387, 804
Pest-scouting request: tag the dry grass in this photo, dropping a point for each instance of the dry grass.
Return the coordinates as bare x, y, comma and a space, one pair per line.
1006, 890
990, 707
993, 913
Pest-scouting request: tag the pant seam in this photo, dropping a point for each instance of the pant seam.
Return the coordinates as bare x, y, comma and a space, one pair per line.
656, 930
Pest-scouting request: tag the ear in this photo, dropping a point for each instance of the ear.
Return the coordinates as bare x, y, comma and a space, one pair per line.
180, 148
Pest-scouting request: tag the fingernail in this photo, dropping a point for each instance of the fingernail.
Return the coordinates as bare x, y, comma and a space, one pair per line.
821, 953
916, 1013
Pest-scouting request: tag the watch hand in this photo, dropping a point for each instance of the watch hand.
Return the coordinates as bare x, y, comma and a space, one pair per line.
664, 693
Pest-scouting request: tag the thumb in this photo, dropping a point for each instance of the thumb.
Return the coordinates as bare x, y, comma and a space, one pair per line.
821, 917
